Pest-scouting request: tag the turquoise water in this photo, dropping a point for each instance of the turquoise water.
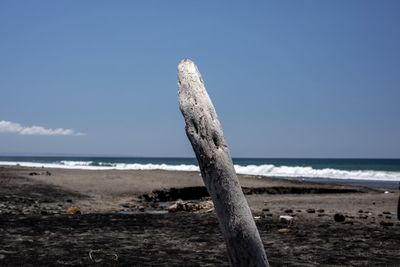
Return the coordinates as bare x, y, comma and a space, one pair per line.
341, 164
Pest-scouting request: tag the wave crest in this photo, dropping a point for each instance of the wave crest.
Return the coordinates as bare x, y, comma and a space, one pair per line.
260, 170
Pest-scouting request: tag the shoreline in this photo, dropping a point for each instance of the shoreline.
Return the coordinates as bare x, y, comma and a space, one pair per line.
371, 183
39, 226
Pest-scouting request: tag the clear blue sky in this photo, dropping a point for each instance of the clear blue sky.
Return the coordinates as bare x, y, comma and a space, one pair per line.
288, 78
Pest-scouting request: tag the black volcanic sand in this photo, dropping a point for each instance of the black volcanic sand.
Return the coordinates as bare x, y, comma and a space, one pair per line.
35, 229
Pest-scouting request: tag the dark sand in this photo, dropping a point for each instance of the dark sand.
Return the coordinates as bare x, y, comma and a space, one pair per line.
36, 230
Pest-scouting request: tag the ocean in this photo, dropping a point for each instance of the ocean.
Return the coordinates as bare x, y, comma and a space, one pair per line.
355, 171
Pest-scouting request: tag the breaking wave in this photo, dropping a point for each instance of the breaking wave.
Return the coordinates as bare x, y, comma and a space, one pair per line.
260, 170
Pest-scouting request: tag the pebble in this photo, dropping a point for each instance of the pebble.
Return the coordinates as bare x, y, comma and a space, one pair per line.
320, 210
338, 217
310, 210
73, 210
386, 212
285, 219
289, 211
384, 223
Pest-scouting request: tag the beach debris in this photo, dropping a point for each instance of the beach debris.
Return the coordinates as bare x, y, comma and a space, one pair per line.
44, 212
310, 210
286, 219
73, 210
206, 136
99, 255
191, 206
284, 230
338, 217
385, 223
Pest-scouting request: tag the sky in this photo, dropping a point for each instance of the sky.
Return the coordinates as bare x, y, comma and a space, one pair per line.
287, 78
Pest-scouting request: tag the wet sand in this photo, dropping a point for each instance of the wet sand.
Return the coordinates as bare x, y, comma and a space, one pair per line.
123, 220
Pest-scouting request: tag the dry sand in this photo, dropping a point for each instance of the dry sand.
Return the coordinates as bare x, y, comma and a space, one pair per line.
113, 229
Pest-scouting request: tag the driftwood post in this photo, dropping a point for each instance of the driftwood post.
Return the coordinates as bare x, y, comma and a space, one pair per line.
204, 131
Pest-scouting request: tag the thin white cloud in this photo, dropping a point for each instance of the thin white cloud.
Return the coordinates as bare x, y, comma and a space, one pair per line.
13, 127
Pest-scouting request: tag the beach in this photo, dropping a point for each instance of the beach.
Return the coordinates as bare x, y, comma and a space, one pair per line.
120, 217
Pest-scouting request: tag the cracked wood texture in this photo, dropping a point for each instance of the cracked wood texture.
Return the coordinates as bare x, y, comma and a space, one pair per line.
204, 131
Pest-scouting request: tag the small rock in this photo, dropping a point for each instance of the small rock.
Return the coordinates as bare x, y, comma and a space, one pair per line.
68, 200
310, 210
298, 210
289, 211
388, 217
338, 217
373, 203
73, 210
384, 223
386, 212
269, 214
284, 230
360, 211
155, 205
44, 212
286, 219
363, 216
321, 211
141, 208
265, 209
349, 222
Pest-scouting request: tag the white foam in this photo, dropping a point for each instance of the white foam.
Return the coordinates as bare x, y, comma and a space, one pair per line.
261, 170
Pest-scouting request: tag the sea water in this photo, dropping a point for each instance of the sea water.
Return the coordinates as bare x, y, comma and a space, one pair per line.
356, 171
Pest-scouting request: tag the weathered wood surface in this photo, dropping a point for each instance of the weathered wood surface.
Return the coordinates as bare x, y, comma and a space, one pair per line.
204, 131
